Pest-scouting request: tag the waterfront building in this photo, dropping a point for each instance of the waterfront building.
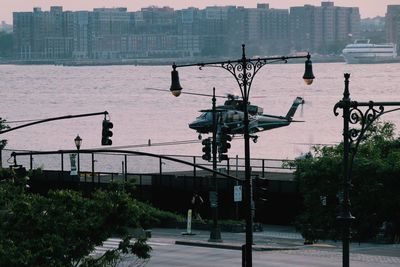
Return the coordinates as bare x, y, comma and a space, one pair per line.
274, 31
302, 28
22, 25
318, 28
393, 25
108, 29
81, 35
162, 32
42, 35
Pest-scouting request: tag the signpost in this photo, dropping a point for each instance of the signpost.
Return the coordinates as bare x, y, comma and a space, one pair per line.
237, 193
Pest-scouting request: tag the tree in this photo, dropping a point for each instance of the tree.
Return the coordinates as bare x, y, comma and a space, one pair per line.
62, 228
3, 126
375, 195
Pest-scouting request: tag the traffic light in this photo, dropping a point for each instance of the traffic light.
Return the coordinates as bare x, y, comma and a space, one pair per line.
206, 149
106, 133
260, 190
224, 144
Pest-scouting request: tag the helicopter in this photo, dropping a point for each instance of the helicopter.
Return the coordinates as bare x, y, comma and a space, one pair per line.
231, 115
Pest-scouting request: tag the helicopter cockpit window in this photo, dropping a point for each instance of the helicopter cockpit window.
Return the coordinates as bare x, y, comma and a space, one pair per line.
205, 116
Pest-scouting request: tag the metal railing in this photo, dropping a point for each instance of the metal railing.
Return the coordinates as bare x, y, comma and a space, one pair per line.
119, 164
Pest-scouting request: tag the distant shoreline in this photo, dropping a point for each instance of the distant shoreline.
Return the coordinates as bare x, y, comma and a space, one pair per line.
146, 62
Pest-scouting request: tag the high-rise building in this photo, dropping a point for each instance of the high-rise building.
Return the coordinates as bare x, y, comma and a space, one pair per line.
160, 32
303, 32
81, 35
393, 24
274, 32
22, 28
318, 28
43, 34
108, 29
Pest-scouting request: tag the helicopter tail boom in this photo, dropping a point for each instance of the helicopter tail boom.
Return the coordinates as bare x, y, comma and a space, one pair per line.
293, 108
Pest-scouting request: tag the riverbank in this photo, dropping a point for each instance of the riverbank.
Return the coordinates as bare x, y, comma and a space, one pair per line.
146, 61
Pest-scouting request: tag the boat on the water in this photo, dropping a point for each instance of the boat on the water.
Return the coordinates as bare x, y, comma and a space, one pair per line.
362, 51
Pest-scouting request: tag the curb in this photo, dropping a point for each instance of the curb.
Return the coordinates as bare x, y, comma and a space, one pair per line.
230, 246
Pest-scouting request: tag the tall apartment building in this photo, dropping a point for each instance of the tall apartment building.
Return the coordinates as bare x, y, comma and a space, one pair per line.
393, 24
161, 32
274, 31
81, 35
265, 31
108, 28
43, 35
22, 23
316, 28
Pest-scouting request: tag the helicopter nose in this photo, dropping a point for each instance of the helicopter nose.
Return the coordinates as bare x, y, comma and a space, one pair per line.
194, 125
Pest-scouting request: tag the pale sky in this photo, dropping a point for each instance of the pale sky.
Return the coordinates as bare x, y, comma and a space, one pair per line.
368, 8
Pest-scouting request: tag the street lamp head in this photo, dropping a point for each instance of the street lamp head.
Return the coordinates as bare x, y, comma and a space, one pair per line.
175, 85
78, 142
308, 73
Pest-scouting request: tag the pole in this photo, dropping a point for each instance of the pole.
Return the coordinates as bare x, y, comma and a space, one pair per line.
79, 169
244, 71
215, 234
346, 216
353, 115
53, 119
249, 218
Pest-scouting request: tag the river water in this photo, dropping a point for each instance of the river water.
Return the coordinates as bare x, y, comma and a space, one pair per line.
43, 91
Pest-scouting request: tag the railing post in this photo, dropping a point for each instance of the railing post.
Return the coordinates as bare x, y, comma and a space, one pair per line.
228, 167
30, 161
237, 166
92, 169
160, 162
263, 168
194, 167
62, 164
126, 167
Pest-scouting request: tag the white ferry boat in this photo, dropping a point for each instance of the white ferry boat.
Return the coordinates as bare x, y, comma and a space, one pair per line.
362, 51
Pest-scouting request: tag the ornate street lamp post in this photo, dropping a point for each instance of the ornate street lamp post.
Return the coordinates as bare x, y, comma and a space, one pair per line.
244, 70
78, 143
352, 114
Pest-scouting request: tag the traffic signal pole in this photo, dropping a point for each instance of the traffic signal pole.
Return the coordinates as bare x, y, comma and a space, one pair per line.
54, 119
215, 234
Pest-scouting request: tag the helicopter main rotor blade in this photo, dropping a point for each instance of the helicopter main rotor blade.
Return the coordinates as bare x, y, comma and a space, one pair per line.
188, 93
216, 110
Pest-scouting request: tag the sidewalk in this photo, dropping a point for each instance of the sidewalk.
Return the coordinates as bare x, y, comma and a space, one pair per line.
271, 238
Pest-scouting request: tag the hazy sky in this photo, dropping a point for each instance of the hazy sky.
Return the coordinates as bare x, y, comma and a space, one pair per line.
368, 8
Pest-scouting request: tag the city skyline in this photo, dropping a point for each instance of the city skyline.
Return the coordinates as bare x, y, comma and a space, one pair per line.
368, 8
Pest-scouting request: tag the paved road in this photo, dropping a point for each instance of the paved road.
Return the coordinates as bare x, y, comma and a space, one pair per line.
175, 256
271, 241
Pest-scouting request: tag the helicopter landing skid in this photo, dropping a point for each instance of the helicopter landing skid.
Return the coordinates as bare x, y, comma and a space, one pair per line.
254, 138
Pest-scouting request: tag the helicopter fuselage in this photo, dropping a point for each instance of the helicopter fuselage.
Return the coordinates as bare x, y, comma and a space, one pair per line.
232, 117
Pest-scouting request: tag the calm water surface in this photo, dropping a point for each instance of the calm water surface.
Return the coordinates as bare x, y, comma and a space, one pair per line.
37, 92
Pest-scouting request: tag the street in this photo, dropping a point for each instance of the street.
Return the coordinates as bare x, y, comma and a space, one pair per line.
275, 247
167, 254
